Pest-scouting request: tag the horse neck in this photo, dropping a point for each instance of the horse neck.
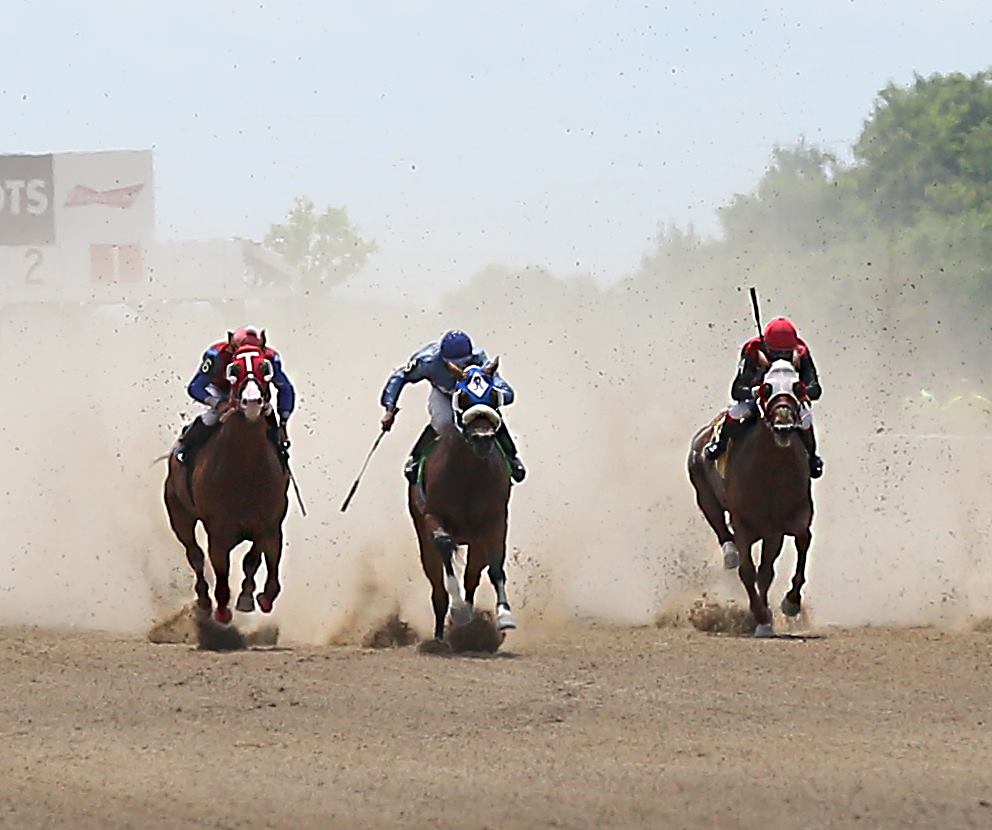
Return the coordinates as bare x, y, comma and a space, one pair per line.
456, 451
758, 451
243, 440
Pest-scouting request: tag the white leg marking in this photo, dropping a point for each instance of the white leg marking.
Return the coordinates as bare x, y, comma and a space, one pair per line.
504, 619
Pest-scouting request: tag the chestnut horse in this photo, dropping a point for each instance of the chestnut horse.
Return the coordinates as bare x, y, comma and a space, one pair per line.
462, 499
237, 488
765, 489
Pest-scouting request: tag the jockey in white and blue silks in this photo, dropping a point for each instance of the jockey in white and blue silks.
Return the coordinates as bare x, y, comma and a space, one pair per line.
430, 363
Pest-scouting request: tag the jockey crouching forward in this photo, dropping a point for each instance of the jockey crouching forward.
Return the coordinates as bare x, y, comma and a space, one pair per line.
429, 364
211, 388
780, 342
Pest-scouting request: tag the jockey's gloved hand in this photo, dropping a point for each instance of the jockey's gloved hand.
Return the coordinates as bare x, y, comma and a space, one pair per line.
813, 391
282, 434
388, 419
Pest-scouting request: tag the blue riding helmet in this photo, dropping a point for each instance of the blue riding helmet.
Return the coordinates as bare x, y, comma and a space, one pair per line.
456, 345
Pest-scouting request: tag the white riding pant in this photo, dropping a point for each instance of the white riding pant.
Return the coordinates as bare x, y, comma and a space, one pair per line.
440, 411
745, 410
208, 413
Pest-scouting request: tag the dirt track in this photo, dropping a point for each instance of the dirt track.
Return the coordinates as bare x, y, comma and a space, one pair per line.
590, 727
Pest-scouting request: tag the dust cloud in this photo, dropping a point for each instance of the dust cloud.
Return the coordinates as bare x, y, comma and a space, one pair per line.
611, 385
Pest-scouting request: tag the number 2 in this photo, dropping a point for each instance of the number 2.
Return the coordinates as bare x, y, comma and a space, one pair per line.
34, 258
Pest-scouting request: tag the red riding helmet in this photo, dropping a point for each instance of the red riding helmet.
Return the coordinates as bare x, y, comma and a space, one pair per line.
246, 336
781, 335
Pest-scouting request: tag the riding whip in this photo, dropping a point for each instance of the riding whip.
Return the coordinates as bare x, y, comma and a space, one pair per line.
296, 489
354, 487
757, 318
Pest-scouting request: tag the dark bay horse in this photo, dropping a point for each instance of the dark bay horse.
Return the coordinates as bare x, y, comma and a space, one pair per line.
237, 488
765, 489
462, 499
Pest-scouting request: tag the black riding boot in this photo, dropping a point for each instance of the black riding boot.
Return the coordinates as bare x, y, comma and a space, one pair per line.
517, 470
278, 437
193, 436
730, 429
412, 467
815, 462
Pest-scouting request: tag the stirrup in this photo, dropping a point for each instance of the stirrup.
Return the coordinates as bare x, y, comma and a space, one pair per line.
713, 450
411, 470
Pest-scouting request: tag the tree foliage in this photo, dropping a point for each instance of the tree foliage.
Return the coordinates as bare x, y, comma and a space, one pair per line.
325, 247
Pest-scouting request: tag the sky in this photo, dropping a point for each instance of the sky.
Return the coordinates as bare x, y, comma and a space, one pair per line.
460, 134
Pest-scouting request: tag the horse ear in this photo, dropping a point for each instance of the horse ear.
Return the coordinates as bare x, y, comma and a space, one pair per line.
491, 367
795, 359
230, 339
456, 370
763, 361
263, 338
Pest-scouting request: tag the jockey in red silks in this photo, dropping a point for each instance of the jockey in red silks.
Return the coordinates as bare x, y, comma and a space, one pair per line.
211, 388
780, 342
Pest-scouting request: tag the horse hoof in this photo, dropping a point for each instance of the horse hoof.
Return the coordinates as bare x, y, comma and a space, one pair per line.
461, 614
790, 608
223, 615
203, 614
731, 556
264, 604
245, 604
504, 619
764, 630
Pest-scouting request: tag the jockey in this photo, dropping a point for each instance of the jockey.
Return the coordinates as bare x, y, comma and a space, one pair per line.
210, 387
781, 341
429, 364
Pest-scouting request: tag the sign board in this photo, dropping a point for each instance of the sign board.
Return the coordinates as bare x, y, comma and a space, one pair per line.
73, 225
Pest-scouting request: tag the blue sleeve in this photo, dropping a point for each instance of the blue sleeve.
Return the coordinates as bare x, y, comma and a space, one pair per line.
498, 381
505, 388
414, 372
197, 388
286, 398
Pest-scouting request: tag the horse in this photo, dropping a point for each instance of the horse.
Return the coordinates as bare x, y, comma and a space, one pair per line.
765, 488
237, 487
462, 498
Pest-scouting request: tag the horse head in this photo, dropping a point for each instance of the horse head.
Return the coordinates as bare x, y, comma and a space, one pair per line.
779, 400
249, 374
476, 402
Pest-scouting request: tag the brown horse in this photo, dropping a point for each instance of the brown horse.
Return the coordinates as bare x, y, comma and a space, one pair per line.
462, 499
237, 487
765, 488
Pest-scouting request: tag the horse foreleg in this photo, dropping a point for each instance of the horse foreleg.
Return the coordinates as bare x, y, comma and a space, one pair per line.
792, 601
771, 547
272, 546
474, 565
715, 516
183, 524
219, 548
461, 613
762, 617
497, 575
250, 566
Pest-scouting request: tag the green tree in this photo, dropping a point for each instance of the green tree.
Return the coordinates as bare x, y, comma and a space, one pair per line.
325, 247
927, 148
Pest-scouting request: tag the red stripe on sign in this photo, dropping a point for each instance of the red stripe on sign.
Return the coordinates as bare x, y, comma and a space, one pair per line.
113, 264
120, 197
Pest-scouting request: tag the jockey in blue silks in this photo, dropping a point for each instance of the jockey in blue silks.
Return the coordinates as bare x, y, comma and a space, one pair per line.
430, 363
